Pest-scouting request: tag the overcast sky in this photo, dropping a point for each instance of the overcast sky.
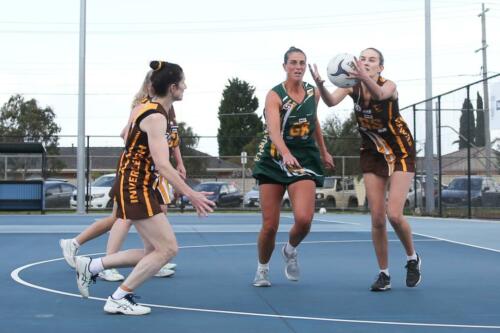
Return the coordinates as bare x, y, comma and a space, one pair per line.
221, 39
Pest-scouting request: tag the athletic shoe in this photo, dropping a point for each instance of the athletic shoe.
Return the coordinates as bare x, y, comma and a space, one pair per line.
111, 275
69, 251
262, 278
165, 272
413, 275
83, 275
126, 306
170, 265
292, 270
382, 283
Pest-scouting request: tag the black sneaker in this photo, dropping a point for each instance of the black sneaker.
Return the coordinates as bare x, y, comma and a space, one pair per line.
382, 283
413, 276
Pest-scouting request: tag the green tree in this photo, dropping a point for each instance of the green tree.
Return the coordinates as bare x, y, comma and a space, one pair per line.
343, 139
479, 140
239, 124
462, 140
25, 121
189, 140
194, 161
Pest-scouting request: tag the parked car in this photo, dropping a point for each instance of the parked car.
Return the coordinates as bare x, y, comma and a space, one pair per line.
251, 198
99, 193
337, 192
224, 194
410, 198
57, 193
457, 192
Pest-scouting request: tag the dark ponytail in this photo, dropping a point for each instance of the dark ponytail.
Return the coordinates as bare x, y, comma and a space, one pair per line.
164, 75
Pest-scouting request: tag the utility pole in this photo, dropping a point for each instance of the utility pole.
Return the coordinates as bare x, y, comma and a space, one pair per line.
486, 99
80, 156
429, 137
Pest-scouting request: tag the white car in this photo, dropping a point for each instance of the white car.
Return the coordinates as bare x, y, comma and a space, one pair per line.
252, 198
99, 193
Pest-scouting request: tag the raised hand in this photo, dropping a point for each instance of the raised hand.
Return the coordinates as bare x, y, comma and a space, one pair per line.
315, 74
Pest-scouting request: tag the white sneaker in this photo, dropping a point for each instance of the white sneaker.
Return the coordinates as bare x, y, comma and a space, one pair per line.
262, 278
170, 265
111, 275
292, 270
165, 272
83, 275
126, 306
69, 251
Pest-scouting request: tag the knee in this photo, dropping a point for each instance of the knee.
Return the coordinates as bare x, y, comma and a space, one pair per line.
395, 217
169, 252
378, 222
269, 230
303, 223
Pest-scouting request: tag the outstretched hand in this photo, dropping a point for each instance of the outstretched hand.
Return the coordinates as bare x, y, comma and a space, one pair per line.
201, 203
358, 72
315, 74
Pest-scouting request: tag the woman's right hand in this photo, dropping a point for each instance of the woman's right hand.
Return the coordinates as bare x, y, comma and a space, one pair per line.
201, 203
290, 161
315, 75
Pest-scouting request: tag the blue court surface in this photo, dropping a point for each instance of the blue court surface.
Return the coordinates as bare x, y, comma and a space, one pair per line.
212, 289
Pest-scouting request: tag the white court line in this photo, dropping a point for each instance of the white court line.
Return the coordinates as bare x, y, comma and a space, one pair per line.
331, 221
15, 276
456, 242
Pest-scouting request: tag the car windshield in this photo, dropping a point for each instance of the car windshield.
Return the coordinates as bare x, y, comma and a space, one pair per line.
329, 183
461, 184
104, 181
207, 187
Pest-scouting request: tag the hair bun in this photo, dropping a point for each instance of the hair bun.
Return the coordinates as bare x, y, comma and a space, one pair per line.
156, 64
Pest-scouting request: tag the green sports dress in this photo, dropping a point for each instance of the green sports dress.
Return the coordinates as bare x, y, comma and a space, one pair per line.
298, 123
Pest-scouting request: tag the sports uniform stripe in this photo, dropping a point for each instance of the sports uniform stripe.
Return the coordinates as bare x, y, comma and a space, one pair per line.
396, 135
147, 168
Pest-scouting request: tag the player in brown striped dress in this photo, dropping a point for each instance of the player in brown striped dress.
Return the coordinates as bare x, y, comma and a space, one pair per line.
146, 146
387, 158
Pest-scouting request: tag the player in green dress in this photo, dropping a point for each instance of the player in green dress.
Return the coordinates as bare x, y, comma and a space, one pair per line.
289, 159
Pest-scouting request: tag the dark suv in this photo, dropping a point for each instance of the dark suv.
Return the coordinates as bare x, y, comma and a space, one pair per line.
224, 194
456, 193
57, 193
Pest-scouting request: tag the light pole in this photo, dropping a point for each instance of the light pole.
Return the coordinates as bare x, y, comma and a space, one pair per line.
243, 163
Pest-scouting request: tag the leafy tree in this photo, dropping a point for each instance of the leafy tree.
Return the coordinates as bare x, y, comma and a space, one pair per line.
479, 140
239, 124
462, 140
25, 121
343, 139
189, 140
193, 161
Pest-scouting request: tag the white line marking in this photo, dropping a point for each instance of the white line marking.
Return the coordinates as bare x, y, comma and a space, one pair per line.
15, 276
331, 221
456, 242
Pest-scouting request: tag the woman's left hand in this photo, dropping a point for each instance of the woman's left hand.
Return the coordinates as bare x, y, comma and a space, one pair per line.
328, 160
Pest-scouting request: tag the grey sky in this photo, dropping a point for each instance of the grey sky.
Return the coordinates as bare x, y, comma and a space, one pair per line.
220, 39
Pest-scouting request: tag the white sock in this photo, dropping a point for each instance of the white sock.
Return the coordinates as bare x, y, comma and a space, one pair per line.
75, 243
412, 257
261, 267
96, 266
385, 271
120, 293
289, 249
